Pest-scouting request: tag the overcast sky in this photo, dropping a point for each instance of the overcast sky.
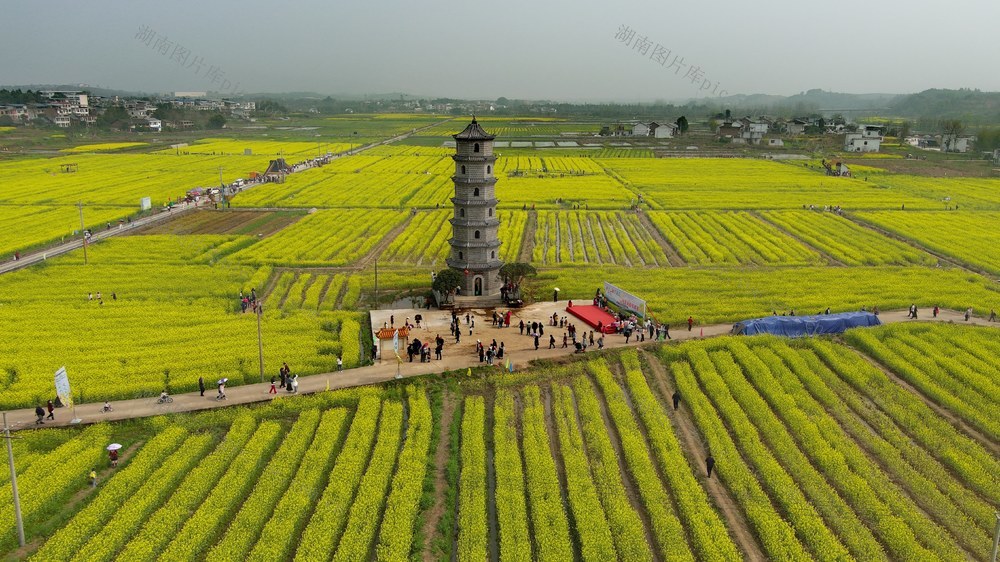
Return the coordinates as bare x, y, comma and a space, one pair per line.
566, 50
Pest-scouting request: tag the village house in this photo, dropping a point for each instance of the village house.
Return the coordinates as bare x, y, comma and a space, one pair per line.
867, 139
664, 130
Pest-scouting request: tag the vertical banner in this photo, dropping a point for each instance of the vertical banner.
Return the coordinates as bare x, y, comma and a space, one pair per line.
62, 388
625, 300
395, 341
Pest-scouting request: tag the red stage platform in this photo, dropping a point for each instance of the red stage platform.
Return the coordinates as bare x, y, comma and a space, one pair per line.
591, 315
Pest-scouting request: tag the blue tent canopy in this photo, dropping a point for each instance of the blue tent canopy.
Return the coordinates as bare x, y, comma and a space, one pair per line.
798, 326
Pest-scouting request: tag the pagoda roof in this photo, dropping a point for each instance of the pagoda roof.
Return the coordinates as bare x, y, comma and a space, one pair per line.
473, 132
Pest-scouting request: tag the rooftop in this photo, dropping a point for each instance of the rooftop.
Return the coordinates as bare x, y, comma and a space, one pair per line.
473, 132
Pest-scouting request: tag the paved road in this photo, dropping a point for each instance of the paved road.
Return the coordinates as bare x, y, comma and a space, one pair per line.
41, 255
520, 350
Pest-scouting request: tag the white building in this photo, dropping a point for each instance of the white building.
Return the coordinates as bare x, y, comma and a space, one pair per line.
640, 130
867, 139
62, 121
664, 131
155, 125
951, 143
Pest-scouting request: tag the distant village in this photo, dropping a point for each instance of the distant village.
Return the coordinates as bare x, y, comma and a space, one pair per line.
773, 132
66, 108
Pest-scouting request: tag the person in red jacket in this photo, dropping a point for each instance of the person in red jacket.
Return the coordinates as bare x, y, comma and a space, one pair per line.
690, 322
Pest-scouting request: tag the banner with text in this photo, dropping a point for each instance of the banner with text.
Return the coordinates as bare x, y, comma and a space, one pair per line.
625, 300
62, 388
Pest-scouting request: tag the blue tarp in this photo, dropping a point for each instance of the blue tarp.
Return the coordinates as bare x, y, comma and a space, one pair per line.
797, 326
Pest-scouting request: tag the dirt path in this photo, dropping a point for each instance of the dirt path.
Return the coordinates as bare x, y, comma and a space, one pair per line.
673, 258
830, 259
956, 422
696, 451
440, 478
556, 452
284, 297
377, 250
528, 238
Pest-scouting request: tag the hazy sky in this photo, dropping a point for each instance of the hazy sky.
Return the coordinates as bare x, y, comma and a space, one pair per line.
562, 49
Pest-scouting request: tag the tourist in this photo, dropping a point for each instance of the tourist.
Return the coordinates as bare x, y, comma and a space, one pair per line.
536, 342
691, 322
520, 327
340, 363
993, 315
552, 342
676, 398
295, 384
273, 389
106, 408
201, 385
936, 310
40, 413
52, 409
710, 464
93, 478
113, 456
968, 313
600, 342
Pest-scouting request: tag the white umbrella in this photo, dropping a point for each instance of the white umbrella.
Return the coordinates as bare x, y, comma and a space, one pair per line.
114, 446
222, 381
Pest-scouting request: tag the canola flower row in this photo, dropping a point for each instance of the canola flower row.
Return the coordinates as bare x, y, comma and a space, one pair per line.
366, 510
323, 531
512, 510
322, 239
890, 512
605, 237
667, 530
845, 241
590, 521
964, 236
549, 522
103, 147
242, 532
50, 480
289, 516
395, 538
710, 238
708, 535
118, 490
942, 496
944, 381
472, 528
292, 151
205, 524
424, 241
27, 226
157, 530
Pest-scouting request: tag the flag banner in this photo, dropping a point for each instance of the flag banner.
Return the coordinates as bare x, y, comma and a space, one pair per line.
625, 300
62, 388
395, 342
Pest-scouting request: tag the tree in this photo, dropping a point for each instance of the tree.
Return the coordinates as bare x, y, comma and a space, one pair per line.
951, 128
515, 272
446, 282
729, 115
682, 124
216, 121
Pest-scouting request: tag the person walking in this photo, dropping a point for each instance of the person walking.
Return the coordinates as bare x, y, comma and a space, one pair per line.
552, 342
968, 313
201, 385
676, 398
666, 330
113, 455
936, 310
993, 315
222, 391
52, 411
295, 384
690, 322
536, 342
600, 342
273, 389
710, 464
340, 363
520, 327
40, 413
93, 478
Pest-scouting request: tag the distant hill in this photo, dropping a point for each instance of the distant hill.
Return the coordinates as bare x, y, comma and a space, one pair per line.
971, 106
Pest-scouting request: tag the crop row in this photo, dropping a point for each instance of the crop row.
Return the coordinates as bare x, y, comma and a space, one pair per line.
965, 236
396, 533
279, 535
941, 495
242, 532
423, 242
666, 526
50, 480
115, 492
705, 238
929, 377
319, 540
512, 509
322, 239
163, 525
576, 237
366, 510
845, 241
706, 530
472, 529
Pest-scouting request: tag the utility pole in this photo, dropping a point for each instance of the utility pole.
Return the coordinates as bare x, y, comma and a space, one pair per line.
83, 233
376, 283
13, 483
260, 340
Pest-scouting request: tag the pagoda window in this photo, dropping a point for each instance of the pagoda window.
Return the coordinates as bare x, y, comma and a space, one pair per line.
475, 147
460, 256
463, 170
477, 235
493, 255
461, 212
475, 193
487, 169
491, 211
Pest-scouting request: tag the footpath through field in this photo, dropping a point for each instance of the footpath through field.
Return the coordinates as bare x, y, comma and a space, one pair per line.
518, 348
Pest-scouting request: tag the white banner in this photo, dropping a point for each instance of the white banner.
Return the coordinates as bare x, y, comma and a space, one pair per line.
62, 387
625, 300
395, 341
